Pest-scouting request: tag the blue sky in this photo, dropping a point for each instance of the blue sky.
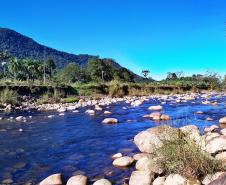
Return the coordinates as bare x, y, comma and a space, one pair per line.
159, 35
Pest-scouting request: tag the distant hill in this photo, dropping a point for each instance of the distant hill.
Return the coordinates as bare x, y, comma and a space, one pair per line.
22, 46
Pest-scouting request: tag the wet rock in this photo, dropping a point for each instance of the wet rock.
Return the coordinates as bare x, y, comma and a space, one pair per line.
50, 116
149, 164
216, 144
19, 118
7, 181
107, 112
102, 182
62, 109
115, 156
77, 180
110, 121
52, 179
98, 108
209, 178
141, 178
209, 119
90, 112
222, 120
165, 117
137, 103
159, 181
212, 128
155, 108
149, 140
19, 165
123, 161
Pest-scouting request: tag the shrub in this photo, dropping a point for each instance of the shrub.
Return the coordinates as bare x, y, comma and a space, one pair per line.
45, 98
70, 100
183, 156
9, 97
117, 89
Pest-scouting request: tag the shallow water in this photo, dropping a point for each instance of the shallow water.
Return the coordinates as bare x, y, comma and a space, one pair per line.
78, 143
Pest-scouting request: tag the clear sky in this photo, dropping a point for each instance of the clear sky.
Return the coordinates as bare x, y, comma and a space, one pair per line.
159, 35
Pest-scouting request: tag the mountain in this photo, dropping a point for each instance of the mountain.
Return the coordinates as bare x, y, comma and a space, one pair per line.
21, 46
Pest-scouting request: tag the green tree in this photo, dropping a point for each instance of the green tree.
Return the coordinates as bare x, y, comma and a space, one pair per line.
71, 73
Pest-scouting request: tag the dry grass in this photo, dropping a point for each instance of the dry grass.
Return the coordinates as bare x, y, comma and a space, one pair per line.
180, 156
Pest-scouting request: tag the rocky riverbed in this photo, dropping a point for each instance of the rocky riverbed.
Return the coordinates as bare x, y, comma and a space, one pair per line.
77, 142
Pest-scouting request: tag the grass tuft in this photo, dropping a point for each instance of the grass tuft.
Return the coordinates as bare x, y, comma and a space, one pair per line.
185, 157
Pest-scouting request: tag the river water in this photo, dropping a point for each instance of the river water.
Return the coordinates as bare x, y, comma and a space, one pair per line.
77, 143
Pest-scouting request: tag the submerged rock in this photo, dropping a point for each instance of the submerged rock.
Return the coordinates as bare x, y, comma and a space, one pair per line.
90, 112
52, 179
107, 112
77, 180
123, 161
110, 121
155, 108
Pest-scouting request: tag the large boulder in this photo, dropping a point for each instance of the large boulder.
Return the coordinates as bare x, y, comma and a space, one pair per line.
176, 179
222, 120
221, 180
149, 140
52, 179
149, 164
141, 178
192, 132
77, 180
212, 128
123, 161
217, 144
102, 182
159, 181
211, 177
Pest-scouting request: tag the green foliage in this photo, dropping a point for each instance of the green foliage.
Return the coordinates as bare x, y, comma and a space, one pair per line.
70, 100
123, 75
9, 97
70, 74
183, 156
44, 99
117, 89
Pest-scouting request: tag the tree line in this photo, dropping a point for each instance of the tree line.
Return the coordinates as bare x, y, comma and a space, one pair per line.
29, 69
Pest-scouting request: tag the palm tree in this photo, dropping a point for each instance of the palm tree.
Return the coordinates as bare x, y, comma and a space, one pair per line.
14, 66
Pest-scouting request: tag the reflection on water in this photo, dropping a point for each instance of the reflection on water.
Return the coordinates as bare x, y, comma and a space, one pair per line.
81, 144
